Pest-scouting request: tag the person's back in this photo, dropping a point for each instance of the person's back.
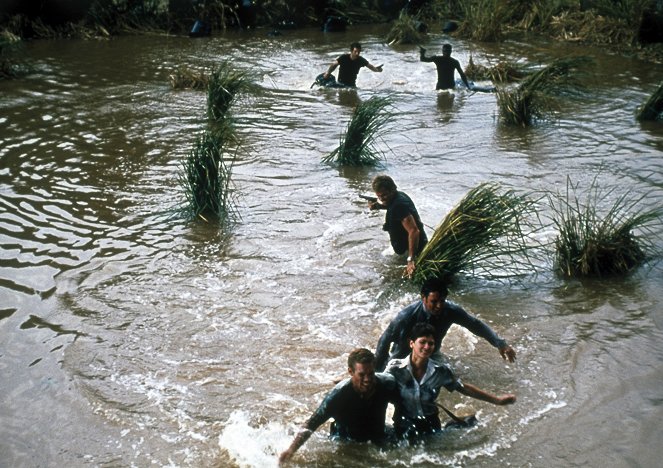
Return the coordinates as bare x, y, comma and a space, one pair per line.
446, 66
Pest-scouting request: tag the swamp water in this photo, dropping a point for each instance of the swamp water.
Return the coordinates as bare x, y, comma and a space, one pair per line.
131, 338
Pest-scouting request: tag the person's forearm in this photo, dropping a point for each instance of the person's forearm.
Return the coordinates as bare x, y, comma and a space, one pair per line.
475, 392
299, 440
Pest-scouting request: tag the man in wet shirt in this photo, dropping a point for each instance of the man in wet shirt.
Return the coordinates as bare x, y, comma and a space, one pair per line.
350, 64
446, 65
358, 405
433, 308
402, 222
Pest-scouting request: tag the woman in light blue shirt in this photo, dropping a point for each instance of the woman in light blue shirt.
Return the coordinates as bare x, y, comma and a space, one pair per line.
420, 379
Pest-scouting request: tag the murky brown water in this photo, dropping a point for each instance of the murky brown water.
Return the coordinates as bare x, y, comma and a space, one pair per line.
131, 338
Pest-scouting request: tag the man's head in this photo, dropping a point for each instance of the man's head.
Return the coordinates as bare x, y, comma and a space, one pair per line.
433, 294
355, 50
422, 340
361, 367
446, 50
385, 188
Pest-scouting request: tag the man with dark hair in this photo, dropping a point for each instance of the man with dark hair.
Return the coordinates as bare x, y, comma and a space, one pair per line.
420, 380
446, 65
358, 405
402, 222
350, 65
433, 308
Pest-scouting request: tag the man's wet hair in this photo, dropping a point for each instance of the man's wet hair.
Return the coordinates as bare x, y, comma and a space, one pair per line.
355, 45
434, 285
383, 182
446, 47
421, 329
360, 356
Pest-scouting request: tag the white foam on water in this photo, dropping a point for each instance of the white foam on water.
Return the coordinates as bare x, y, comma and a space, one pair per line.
253, 446
546, 409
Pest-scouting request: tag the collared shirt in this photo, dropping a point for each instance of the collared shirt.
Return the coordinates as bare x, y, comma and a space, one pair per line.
418, 397
398, 331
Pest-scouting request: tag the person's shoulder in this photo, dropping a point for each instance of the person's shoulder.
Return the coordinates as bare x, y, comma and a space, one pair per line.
409, 309
397, 364
385, 379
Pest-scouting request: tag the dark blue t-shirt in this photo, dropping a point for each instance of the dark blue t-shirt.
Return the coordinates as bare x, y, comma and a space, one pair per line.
349, 69
399, 209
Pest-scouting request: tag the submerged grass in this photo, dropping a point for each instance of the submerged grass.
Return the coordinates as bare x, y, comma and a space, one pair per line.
225, 85
653, 108
406, 29
488, 232
592, 245
357, 146
206, 177
187, 78
534, 97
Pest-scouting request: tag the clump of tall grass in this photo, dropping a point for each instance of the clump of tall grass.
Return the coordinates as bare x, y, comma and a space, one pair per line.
9, 65
591, 244
357, 146
484, 19
185, 77
206, 177
653, 108
535, 96
225, 84
406, 29
488, 232
502, 72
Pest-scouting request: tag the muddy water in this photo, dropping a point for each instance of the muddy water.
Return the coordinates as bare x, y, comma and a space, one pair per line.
129, 337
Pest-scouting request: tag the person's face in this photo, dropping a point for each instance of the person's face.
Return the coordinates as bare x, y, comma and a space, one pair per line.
354, 53
363, 378
446, 51
422, 347
434, 302
385, 196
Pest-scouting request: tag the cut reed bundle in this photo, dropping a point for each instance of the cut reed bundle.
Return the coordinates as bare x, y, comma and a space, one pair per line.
502, 72
485, 233
357, 145
534, 97
406, 30
653, 108
205, 178
186, 78
225, 84
589, 244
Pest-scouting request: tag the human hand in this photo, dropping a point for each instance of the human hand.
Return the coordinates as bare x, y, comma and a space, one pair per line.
379, 68
409, 269
507, 399
285, 457
373, 205
422, 50
508, 353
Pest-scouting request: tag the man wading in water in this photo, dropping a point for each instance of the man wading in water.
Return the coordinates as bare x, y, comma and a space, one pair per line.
402, 222
446, 65
350, 65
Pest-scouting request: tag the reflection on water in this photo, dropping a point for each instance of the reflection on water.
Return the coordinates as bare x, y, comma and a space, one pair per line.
131, 337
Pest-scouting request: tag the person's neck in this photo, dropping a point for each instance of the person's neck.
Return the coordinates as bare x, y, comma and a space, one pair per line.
419, 366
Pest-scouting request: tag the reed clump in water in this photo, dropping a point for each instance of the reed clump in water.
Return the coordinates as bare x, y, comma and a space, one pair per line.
502, 72
487, 232
589, 244
406, 29
357, 146
653, 108
185, 77
10, 66
534, 97
484, 19
206, 177
225, 85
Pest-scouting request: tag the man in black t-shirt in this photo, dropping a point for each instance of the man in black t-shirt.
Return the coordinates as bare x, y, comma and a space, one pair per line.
358, 405
446, 66
402, 222
350, 65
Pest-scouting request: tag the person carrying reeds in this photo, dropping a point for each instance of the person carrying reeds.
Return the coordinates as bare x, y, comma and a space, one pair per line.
350, 64
402, 221
446, 66
433, 308
420, 380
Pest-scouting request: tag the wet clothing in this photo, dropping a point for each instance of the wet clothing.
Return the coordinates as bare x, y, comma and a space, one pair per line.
398, 331
418, 412
356, 418
349, 69
445, 70
399, 209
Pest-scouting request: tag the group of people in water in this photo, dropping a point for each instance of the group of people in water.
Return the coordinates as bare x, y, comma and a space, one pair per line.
349, 65
407, 369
